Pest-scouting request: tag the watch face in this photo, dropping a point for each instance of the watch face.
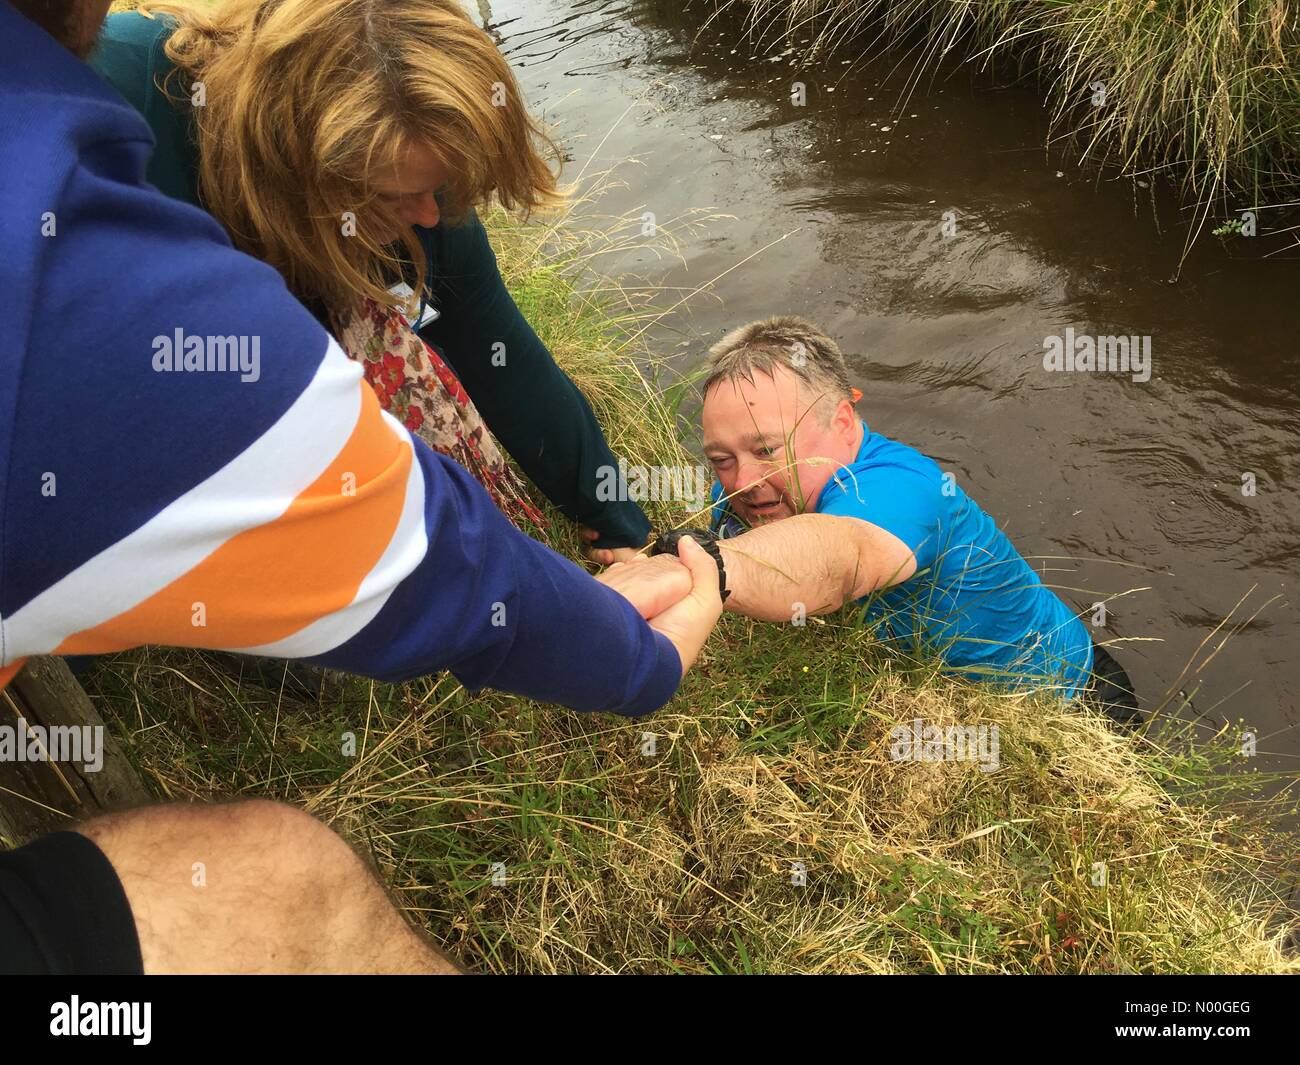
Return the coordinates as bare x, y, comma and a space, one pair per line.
668, 541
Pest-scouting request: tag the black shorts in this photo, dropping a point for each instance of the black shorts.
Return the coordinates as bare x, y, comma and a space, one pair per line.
63, 911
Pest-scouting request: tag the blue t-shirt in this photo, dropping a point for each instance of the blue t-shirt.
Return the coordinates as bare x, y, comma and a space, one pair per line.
973, 599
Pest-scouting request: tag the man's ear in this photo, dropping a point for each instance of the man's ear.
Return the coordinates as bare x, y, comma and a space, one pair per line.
845, 419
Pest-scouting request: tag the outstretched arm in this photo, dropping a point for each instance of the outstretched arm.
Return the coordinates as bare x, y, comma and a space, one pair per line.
817, 562
265, 504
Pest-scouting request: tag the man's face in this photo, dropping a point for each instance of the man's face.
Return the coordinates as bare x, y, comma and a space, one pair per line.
769, 450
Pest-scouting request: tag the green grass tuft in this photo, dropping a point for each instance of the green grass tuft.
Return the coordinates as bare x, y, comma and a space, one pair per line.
775, 752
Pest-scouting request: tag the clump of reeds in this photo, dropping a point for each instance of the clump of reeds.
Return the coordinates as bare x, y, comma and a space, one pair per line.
1208, 89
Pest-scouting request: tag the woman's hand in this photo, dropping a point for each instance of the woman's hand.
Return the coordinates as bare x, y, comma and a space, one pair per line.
651, 585
607, 556
688, 622
678, 596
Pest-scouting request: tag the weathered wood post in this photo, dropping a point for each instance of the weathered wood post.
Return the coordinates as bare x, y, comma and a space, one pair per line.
41, 796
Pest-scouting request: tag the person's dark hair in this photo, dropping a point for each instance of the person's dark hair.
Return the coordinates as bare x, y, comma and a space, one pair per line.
58, 18
73, 23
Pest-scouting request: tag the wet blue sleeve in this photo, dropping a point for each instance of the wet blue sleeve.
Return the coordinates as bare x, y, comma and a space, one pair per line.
903, 500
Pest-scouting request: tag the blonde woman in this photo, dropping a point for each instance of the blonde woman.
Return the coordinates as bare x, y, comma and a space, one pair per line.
347, 143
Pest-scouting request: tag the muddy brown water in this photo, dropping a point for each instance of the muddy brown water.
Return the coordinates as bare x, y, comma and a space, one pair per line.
1107, 483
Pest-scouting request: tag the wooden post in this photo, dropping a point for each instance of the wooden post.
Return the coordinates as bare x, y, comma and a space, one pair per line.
43, 796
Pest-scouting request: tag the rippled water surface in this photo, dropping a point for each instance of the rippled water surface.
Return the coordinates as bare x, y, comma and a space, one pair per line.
1106, 483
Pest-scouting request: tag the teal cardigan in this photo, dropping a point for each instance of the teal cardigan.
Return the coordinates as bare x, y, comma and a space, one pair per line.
529, 404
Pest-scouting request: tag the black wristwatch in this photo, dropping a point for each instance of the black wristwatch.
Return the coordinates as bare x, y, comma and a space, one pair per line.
707, 539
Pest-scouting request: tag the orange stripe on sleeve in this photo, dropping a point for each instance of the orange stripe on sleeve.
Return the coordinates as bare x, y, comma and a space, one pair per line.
7, 673
271, 581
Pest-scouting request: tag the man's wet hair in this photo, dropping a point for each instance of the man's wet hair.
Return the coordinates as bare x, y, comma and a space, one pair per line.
788, 341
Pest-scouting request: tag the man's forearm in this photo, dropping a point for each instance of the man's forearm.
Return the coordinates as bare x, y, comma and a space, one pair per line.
813, 563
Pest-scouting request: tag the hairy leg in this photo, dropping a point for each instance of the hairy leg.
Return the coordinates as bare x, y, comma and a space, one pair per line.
254, 887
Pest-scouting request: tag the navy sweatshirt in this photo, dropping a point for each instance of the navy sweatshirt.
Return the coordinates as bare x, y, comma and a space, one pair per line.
187, 458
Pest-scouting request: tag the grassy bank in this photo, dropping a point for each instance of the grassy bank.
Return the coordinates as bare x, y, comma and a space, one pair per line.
1209, 89
1085, 852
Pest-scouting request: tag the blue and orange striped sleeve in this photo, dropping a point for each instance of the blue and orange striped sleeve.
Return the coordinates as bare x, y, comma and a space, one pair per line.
152, 497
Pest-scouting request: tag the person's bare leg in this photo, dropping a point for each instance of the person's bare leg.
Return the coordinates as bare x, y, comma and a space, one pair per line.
254, 887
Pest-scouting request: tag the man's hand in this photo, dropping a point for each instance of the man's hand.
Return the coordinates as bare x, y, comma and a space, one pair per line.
649, 584
688, 622
607, 556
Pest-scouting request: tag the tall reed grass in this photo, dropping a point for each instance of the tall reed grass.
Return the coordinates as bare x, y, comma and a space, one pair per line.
1207, 90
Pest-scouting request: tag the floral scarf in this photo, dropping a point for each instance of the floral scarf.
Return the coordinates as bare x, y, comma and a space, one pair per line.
421, 391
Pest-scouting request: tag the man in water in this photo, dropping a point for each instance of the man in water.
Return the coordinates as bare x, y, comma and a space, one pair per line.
817, 510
